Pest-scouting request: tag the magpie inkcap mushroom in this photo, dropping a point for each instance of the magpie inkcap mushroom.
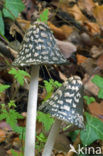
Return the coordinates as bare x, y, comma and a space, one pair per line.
66, 103
39, 47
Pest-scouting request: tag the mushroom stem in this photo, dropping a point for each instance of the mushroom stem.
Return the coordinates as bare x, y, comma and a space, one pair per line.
31, 113
51, 138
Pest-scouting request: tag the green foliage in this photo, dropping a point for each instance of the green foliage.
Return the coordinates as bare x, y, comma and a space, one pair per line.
11, 9
11, 116
14, 153
45, 119
41, 140
50, 86
93, 130
19, 75
89, 99
11, 104
1, 24
41, 137
3, 87
98, 80
44, 16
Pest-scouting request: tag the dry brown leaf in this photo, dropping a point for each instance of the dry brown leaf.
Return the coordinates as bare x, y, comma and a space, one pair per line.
76, 12
86, 5
67, 48
96, 51
58, 32
96, 109
98, 14
80, 59
24, 23
90, 86
93, 28
2, 135
67, 30
100, 61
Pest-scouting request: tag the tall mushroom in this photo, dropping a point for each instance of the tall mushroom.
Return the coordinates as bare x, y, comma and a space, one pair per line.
66, 104
38, 48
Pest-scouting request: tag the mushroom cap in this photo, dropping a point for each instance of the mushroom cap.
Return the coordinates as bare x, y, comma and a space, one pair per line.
67, 102
39, 47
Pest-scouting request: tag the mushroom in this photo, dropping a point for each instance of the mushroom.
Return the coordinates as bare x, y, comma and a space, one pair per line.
38, 48
66, 104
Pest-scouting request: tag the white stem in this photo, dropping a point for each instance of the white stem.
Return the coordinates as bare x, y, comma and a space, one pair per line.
31, 113
51, 138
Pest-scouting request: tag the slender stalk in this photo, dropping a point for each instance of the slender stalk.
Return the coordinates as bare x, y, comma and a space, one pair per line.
51, 138
31, 113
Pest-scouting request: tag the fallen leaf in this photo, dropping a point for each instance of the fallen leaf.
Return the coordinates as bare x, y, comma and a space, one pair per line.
89, 65
90, 86
67, 48
67, 30
76, 12
96, 51
2, 135
25, 24
96, 109
100, 61
93, 28
81, 59
86, 5
58, 32
98, 14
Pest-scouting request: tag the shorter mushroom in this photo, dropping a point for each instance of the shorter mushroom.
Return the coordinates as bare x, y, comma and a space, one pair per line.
66, 104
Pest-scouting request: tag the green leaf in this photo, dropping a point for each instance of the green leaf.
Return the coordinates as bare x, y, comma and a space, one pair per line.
41, 137
12, 8
1, 24
89, 99
19, 75
3, 87
98, 80
45, 119
11, 104
100, 93
44, 16
93, 131
48, 86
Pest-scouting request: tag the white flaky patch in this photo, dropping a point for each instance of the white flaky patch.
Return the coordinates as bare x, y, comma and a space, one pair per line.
66, 94
63, 113
32, 38
40, 40
30, 46
66, 107
55, 97
26, 50
45, 53
60, 102
36, 54
55, 59
59, 93
38, 47
44, 34
76, 99
74, 105
68, 100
